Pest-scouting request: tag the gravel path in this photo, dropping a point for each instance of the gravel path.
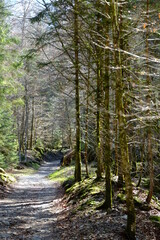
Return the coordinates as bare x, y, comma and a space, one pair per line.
32, 207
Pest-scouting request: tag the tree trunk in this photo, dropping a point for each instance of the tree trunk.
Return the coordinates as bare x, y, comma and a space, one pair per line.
131, 220
77, 97
32, 125
19, 137
149, 131
69, 125
99, 82
86, 119
107, 157
22, 130
26, 120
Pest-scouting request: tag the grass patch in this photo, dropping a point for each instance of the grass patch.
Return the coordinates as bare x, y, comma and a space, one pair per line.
63, 174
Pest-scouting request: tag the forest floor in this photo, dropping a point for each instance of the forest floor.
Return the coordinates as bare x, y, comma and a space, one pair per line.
35, 208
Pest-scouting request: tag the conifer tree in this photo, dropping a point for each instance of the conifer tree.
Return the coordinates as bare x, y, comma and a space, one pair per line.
8, 143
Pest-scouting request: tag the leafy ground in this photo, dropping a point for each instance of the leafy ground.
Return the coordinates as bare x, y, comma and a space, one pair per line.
82, 220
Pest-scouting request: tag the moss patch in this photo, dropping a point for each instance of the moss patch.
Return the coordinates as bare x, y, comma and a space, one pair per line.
155, 218
121, 197
62, 174
86, 194
6, 178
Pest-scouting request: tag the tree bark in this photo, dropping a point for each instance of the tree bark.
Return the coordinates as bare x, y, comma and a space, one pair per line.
131, 219
77, 97
107, 154
69, 125
149, 131
99, 94
26, 120
32, 125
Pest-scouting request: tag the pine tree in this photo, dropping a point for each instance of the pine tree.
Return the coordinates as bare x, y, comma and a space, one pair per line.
8, 143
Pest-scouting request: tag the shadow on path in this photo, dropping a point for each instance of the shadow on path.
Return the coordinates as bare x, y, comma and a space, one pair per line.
29, 211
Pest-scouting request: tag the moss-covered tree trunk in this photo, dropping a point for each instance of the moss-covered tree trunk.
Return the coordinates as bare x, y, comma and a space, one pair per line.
32, 124
98, 130
131, 219
99, 93
22, 130
26, 120
106, 125
149, 130
87, 116
68, 125
116, 148
77, 97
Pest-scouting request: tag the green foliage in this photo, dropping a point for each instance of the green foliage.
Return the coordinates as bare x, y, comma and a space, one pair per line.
39, 146
8, 87
8, 143
57, 140
33, 165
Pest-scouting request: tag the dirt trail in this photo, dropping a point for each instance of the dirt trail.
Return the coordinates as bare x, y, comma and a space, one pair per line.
31, 208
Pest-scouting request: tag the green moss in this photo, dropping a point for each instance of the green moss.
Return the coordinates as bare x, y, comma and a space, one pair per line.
87, 194
121, 198
35, 166
155, 218
62, 174
95, 190
91, 202
6, 178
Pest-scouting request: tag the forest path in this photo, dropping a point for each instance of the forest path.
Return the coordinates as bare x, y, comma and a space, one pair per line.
32, 206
